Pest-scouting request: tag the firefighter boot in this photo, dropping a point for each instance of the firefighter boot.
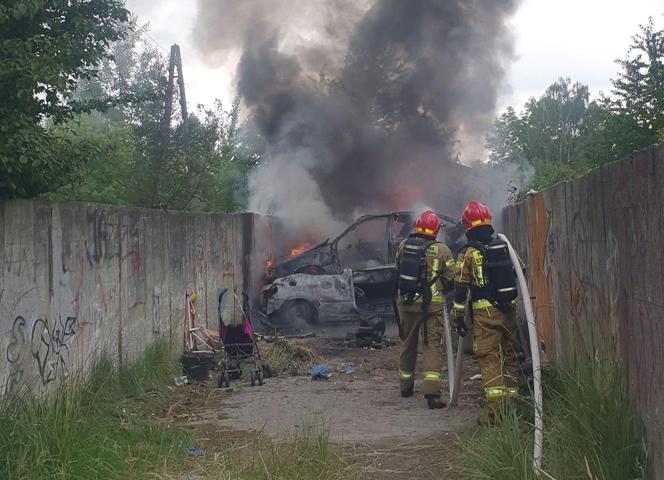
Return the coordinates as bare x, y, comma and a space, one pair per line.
407, 393
434, 401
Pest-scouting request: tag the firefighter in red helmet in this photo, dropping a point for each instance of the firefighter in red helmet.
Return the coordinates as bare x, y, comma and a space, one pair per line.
484, 271
426, 271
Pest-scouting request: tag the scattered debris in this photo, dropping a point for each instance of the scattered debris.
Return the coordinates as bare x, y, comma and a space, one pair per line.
319, 372
200, 344
181, 381
284, 358
196, 366
196, 452
197, 338
370, 334
347, 368
271, 338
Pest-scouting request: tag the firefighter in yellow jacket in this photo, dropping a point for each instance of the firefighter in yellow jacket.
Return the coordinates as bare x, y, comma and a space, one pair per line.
426, 272
484, 270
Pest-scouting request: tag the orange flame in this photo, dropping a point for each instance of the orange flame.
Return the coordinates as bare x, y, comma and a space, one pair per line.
404, 196
299, 249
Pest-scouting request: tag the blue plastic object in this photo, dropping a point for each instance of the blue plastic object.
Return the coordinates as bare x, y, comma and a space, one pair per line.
319, 371
347, 368
196, 452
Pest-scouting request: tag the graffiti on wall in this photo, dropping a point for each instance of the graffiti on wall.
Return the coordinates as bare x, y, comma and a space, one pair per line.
46, 342
107, 239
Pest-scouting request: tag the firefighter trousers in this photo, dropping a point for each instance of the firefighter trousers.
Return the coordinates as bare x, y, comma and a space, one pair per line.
495, 345
412, 325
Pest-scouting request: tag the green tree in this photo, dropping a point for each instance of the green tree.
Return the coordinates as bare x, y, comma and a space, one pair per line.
505, 143
47, 47
638, 92
104, 156
555, 122
551, 135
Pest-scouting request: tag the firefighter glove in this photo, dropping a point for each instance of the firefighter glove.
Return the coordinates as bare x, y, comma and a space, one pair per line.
460, 326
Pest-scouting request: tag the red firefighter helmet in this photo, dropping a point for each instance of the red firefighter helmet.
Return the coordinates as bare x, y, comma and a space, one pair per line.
427, 224
474, 215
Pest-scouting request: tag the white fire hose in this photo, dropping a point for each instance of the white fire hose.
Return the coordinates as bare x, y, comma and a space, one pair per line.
454, 371
450, 356
453, 368
535, 353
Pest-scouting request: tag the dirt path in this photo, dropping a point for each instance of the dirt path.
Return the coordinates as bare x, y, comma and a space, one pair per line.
363, 412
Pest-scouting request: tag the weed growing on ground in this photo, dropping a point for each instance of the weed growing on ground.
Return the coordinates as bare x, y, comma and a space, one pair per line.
285, 358
87, 427
591, 431
307, 454
500, 452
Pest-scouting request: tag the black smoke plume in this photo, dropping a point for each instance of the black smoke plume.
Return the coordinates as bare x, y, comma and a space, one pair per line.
363, 107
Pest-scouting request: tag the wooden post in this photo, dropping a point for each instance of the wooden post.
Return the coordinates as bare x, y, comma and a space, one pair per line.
164, 134
183, 96
174, 64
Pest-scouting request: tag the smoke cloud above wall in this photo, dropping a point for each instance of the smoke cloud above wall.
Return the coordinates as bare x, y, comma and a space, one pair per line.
363, 106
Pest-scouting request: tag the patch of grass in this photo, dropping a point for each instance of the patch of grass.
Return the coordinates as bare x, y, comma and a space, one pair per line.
308, 454
593, 426
285, 358
501, 452
88, 427
591, 432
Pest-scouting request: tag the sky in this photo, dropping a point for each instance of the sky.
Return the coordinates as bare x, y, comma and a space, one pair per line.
580, 39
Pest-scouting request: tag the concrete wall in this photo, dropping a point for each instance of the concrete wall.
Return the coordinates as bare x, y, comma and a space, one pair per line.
77, 279
595, 252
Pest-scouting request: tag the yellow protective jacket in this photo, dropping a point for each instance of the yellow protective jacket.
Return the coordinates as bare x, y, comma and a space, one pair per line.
469, 273
440, 265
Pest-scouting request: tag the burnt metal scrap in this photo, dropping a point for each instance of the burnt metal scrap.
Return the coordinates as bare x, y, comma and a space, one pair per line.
291, 298
370, 334
325, 257
348, 278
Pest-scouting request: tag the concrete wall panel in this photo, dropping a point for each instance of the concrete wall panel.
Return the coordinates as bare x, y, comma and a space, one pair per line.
80, 279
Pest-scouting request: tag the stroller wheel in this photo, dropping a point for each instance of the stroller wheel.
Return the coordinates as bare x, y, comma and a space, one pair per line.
253, 379
260, 377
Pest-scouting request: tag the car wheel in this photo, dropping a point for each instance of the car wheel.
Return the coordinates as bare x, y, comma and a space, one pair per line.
298, 313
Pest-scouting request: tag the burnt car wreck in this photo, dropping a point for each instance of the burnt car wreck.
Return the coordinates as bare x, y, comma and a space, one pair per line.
347, 279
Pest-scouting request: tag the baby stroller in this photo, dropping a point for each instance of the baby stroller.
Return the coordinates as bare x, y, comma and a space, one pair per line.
238, 347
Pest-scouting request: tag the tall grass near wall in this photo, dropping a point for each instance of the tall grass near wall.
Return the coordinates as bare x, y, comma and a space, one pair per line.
88, 427
591, 432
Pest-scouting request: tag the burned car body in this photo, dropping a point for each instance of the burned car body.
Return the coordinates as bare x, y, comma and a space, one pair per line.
331, 296
362, 257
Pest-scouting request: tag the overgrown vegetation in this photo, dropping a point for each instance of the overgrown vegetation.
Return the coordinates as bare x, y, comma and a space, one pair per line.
90, 428
84, 93
47, 48
107, 426
564, 133
592, 432
308, 454
286, 358
83, 115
